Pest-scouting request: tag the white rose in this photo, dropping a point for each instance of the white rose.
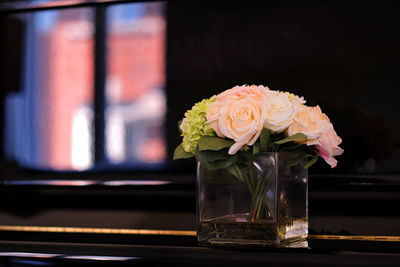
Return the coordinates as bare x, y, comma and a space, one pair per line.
241, 120
281, 108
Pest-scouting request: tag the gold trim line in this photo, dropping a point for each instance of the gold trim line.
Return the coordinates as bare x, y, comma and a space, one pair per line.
384, 238
126, 231
87, 230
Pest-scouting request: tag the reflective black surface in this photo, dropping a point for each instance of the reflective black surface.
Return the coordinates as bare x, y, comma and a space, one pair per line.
64, 254
344, 205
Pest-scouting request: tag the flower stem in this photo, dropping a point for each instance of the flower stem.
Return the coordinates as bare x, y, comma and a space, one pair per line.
258, 186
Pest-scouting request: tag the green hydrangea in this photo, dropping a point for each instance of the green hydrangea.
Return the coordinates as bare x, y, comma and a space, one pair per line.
194, 125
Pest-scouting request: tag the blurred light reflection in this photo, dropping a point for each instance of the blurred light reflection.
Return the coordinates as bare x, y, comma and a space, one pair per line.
29, 255
51, 182
135, 182
100, 258
50, 256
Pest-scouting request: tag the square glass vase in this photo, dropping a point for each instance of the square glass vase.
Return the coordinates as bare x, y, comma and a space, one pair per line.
260, 202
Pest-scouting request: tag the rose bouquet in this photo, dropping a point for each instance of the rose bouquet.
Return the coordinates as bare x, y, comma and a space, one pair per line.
225, 130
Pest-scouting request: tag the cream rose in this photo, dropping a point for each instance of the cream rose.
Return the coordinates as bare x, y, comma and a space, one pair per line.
319, 131
241, 120
281, 108
225, 100
212, 116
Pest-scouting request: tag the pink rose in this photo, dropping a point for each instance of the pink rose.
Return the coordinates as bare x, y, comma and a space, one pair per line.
328, 146
240, 92
319, 131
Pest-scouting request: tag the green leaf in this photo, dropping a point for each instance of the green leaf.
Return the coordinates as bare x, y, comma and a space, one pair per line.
311, 162
235, 171
214, 143
208, 155
265, 140
215, 160
220, 164
293, 147
180, 153
293, 160
221, 177
277, 137
292, 138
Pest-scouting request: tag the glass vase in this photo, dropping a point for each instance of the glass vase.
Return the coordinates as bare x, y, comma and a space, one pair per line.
262, 201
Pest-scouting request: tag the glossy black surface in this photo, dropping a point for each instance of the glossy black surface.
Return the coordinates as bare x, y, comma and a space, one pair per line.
346, 205
62, 254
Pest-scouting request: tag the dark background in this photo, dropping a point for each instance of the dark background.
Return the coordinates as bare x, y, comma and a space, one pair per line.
341, 55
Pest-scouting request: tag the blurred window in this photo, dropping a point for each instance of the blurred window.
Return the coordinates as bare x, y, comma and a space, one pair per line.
50, 119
